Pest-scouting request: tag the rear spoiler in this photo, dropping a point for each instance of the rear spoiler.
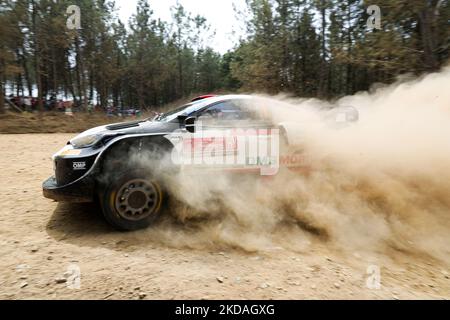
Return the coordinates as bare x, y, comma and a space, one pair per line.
203, 97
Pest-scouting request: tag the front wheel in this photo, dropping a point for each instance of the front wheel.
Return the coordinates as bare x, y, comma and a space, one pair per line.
131, 201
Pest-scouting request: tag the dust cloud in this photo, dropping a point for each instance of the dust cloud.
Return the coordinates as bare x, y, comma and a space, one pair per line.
380, 184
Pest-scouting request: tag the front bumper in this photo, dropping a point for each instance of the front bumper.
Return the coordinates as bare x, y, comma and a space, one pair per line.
77, 192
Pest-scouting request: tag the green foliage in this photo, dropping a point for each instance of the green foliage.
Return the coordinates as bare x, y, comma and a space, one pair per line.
148, 64
308, 48
324, 48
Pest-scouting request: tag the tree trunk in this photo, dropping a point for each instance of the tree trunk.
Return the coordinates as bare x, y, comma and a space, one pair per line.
2, 90
55, 73
180, 75
19, 86
37, 58
349, 84
68, 81
140, 92
323, 71
80, 74
26, 72
427, 35
91, 84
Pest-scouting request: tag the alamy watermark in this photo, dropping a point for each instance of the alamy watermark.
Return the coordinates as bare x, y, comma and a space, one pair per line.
374, 21
73, 277
74, 17
373, 281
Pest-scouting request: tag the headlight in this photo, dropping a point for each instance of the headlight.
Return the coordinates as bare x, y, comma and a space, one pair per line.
85, 141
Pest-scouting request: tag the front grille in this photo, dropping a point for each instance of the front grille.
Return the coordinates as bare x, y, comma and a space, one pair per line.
68, 170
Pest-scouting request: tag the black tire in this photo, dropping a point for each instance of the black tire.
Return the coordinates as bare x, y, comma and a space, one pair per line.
131, 200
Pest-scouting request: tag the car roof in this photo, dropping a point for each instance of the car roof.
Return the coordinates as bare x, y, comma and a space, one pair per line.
200, 104
194, 107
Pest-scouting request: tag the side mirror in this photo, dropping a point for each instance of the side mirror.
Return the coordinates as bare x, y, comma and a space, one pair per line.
190, 124
347, 115
181, 120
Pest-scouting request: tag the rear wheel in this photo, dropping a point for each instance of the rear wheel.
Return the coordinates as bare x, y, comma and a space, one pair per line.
131, 201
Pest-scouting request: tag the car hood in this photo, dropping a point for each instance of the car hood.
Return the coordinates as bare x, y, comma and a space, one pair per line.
133, 127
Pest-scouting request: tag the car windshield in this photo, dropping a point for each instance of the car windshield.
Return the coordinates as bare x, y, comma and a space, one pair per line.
184, 110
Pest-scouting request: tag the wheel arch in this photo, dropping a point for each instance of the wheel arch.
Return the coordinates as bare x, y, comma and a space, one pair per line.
284, 133
125, 145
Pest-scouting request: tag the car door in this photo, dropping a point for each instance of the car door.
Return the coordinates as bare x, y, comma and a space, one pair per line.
232, 135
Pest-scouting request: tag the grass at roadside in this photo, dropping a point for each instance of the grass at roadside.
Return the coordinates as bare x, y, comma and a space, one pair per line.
15, 123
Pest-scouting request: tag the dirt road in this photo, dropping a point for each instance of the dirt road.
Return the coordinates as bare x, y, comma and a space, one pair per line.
40, 240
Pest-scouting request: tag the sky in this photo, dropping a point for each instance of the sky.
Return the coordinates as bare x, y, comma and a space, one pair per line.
219, 13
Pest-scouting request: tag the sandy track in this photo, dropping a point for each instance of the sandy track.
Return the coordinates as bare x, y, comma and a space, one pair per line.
39, 239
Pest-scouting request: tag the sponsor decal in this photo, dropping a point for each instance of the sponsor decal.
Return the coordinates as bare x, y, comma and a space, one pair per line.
79, 165
255, 148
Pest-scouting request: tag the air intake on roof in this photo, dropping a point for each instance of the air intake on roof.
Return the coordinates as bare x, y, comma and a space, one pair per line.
123, 125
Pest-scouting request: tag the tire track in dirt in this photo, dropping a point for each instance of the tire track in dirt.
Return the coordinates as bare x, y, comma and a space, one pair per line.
39, 239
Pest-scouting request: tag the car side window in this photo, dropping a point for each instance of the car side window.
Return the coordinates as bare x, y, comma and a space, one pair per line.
221, 112
226, 111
